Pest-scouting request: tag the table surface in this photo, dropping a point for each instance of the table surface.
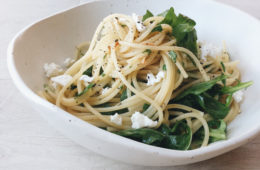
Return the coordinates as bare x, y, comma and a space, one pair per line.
28, 142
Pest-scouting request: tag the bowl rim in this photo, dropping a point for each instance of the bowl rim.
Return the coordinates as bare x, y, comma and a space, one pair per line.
221, 147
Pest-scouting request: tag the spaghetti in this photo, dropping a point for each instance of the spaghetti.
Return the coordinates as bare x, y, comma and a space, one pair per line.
130, 72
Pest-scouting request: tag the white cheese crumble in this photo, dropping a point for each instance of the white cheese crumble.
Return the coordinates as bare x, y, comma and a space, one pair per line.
86, 79
138, 22
68, 62
139, 120
151, 79
105, 90
62, 80
238, 96
116, 118
52, 69
209, 49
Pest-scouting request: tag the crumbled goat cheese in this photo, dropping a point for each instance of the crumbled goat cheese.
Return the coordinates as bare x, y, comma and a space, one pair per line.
238, 96
116, 118
138, 22
105, 90
68, 62
208, 49
52, 69
62, 80
139, 120
151, 80
86, 79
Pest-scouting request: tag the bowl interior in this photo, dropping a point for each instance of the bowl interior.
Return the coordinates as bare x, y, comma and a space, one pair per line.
55, 38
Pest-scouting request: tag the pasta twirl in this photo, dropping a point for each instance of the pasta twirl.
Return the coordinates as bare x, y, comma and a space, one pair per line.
146, 71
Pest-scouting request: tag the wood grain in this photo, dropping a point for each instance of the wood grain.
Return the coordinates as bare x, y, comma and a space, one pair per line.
28, 142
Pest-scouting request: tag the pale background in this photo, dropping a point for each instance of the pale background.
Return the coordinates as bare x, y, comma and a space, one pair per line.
28, 142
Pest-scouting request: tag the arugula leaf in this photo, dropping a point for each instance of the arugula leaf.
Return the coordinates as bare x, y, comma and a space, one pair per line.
215, 90
206, 103
101, 71
179, 137
170, 17
182, 28
216, 109
163, 14
233, 89
224, 81
147, 15
183, 25
191, 100
229, 100
185, 33
124, 95
164, 67
88, 72
164, 129
200, 87
173, 56
148, 51
189, 41
144, 135
223, 66
201, 97
217, 130
85, 90
195, 143
157, 28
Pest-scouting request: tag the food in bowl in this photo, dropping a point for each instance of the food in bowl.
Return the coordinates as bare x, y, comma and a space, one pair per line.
147, 78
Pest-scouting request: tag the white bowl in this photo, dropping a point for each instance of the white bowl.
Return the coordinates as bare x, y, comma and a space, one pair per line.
53, 39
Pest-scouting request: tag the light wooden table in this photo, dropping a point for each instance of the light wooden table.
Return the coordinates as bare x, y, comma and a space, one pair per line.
28, 142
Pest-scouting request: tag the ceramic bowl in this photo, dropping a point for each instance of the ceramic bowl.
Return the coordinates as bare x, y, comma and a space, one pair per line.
54, 38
